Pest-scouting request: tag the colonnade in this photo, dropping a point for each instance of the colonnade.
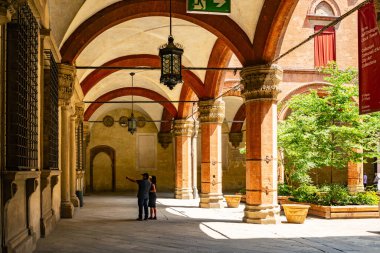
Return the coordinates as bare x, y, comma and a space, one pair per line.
260, 95
71, 114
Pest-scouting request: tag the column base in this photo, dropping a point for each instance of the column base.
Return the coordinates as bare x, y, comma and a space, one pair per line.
75, 201
211, 200
355, 188
183, 193
195, 193
262, 214
67, 210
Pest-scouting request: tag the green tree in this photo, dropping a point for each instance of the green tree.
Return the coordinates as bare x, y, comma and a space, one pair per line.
327, 131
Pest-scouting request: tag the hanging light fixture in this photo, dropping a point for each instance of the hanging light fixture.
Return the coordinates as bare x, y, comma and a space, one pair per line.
132, 121
171, 60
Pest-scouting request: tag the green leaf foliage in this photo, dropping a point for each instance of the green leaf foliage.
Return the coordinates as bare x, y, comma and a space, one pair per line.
325, 129
333, 195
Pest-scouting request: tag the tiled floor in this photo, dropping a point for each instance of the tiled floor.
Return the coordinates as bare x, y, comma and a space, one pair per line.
107, 224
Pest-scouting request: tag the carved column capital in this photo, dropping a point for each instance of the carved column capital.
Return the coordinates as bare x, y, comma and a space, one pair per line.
211, 111
235, 139
261, 82
8, 8
165, 139
66, 78
183, 128
79, 111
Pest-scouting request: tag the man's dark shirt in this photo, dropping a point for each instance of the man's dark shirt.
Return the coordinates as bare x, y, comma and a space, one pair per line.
144, 186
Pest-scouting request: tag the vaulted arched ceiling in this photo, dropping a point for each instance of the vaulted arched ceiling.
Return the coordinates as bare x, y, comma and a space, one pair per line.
129, 32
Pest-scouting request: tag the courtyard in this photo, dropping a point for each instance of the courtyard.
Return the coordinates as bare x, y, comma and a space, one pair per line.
107, 223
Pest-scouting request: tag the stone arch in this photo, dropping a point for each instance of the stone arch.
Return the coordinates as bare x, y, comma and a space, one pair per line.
127, 92
190, 79
324, 4
239, 117
111, 153
273, 21
222, 26
284, 109
220, 57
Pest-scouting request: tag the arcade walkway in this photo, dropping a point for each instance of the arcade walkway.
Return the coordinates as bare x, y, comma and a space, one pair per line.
107, 224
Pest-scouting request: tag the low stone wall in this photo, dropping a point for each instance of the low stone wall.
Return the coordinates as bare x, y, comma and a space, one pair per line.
337, 212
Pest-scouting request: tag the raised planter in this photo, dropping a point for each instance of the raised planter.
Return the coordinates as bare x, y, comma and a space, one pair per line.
340, 212
295, 213
232, 200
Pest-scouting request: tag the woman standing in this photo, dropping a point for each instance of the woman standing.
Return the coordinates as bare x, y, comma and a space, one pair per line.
152, 198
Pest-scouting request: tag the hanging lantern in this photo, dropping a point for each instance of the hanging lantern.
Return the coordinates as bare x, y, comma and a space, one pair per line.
132, 124
132, 121
171, 60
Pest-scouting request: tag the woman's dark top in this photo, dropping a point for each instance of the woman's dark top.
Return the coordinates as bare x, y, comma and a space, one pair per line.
152, 196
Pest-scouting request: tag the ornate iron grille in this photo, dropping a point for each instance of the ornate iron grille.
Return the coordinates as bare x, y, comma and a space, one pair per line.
79, 143
50, 112
22, 92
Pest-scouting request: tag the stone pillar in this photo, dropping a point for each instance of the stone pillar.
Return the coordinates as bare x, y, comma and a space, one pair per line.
66, 81
86, 140
183, 130
194, 160
260, 93
281, 168
355, 177
73, 162
211, 118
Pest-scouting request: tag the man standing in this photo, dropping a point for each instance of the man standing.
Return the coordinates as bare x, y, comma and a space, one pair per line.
365, 179
142, 194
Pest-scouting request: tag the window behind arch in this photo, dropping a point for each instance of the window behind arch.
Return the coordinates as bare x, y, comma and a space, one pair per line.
324, 43
324, 9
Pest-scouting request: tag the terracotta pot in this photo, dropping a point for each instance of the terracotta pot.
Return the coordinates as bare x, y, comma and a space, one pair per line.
233, 200
295, 213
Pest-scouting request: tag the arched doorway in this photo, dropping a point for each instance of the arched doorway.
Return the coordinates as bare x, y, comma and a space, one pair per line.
111, 153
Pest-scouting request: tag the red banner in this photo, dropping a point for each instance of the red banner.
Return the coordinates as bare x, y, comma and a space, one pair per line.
369, 60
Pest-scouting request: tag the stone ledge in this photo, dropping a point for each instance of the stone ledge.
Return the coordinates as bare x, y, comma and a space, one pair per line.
339, 212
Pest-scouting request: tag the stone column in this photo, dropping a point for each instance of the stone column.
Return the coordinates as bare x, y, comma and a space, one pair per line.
355, 177
183, 130
194, 160
73, 162
66, 81
260, 93
211, 118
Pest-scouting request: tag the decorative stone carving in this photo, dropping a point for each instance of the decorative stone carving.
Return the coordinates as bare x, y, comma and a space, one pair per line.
183, 128
108, 121
165, 139
235, 139
211, 111
79, 112
66, 77
261, 82
8, 8
86, 132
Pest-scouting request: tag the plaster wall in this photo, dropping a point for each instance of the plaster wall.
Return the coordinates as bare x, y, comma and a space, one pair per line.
126, 156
